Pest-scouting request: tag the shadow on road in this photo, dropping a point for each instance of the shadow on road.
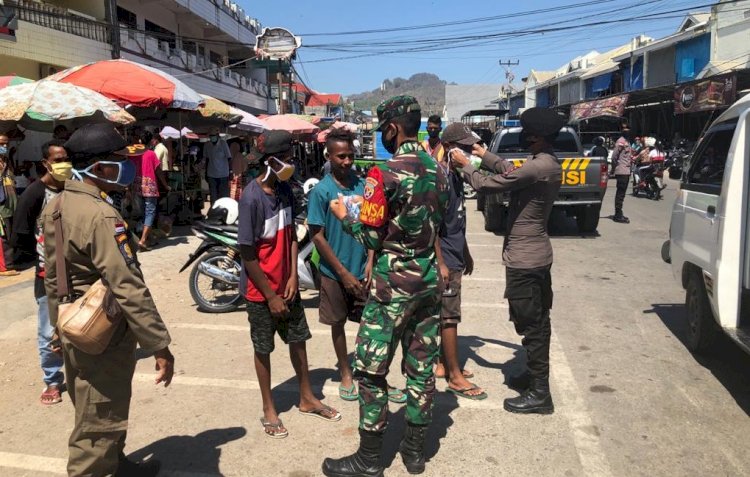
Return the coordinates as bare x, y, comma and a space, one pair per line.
467, 346
198, 454
286, 394
726, 361
436, 432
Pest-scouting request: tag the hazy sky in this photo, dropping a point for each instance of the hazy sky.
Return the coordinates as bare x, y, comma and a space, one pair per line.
467, 60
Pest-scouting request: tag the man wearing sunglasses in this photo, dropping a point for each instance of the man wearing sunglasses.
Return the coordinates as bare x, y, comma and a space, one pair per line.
97, 246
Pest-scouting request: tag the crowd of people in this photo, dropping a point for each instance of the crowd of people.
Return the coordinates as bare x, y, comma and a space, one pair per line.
393, 253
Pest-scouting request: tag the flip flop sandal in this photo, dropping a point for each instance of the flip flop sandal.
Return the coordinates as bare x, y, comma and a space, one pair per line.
396, 395
348, 394
275, 431
52, 396
319, 413
464, 393
467, 374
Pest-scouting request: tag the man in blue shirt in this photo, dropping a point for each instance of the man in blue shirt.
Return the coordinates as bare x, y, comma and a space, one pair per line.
344, 268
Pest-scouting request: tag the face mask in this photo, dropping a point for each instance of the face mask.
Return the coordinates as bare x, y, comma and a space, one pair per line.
389, 144
474, 160
125, 174
214, 139
284, 174
60, 171
434, 134
3, 150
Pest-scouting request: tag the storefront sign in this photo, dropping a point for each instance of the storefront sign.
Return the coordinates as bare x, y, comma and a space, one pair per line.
706, 95
612, 107
276, 44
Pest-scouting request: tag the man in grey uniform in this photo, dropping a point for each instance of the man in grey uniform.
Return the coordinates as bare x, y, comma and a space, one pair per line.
527, 252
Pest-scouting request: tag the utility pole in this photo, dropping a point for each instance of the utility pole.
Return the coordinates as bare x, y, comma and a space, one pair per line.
509, 77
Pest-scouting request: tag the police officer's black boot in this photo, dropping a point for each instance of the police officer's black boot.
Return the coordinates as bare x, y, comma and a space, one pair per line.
520, 382
363, 463
128, 468
535, 400
412, 448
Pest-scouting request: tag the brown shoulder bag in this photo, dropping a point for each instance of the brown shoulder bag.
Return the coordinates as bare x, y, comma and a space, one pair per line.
88, 321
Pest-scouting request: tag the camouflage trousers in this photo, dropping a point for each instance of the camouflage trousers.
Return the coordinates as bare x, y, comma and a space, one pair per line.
416, 325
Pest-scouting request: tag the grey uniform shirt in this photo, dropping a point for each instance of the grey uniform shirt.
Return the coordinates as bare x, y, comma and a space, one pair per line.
533, 189
622, 157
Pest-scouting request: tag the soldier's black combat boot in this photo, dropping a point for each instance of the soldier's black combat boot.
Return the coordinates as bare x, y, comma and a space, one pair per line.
363, 463
520, 382
412, 448
128, 468
535, 400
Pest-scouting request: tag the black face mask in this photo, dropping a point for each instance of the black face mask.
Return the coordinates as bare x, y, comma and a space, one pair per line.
389, 144
434, 134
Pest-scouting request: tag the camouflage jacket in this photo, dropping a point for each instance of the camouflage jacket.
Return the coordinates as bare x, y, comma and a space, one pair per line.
405, 260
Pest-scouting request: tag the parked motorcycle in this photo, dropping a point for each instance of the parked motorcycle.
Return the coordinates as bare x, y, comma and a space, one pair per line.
677, 159
214, 280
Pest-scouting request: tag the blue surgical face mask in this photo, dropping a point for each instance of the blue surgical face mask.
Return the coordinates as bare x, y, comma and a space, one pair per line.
125, 173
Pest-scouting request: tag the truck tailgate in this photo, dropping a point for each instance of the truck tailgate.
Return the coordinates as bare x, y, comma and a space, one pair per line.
584, 179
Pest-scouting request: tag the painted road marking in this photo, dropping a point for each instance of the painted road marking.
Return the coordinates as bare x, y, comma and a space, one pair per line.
586, 441
441, 398
56, 465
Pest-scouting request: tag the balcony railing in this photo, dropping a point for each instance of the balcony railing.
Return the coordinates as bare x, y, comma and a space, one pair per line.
60, 19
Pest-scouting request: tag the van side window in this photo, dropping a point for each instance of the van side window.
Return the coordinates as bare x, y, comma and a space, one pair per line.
707, 167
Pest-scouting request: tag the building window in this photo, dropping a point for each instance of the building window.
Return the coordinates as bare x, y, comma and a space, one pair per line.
161, 34
216, 58
126, 17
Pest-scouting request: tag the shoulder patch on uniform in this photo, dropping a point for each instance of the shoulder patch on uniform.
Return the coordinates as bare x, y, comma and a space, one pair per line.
120, 228
124, 246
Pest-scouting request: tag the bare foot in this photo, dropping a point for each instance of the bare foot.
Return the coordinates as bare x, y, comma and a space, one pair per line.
461, 383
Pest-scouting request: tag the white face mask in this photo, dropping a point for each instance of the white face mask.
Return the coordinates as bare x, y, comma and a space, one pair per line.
474, 160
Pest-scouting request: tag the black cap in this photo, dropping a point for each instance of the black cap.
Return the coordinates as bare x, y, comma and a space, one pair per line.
542, 122
271, 142
459, 133
100, 139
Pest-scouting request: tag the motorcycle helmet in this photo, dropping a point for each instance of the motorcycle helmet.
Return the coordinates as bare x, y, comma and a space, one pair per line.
650, 141
599, 141
225, 211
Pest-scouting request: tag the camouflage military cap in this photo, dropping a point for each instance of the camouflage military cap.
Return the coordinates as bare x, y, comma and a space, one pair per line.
395, 107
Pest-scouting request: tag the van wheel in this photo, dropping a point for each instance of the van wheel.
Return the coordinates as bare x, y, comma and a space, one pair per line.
588, 218
702, 328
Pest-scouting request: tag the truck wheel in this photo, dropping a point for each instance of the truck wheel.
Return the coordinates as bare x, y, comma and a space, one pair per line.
588, 218
495, 218
702, 328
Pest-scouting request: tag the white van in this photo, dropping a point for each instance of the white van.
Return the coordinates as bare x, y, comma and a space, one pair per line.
709, 236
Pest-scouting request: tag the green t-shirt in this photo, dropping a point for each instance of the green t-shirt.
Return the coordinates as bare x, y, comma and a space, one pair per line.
350, 253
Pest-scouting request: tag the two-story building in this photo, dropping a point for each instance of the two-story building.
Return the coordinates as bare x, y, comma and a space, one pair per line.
208, 44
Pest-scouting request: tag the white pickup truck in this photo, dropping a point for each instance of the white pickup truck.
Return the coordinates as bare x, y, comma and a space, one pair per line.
709, 235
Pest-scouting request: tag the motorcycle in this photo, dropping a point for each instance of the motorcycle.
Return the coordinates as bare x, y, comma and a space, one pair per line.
677, 158
214, 280
648, 179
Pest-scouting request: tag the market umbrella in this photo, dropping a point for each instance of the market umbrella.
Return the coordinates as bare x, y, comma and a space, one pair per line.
43, 105
248, 122
13, 80
216, 109
289, 122
171, 133
134, 84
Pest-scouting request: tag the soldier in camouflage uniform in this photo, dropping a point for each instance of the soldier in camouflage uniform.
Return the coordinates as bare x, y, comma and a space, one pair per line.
404, 303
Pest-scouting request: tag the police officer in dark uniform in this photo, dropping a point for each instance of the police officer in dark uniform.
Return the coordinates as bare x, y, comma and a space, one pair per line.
96, 245
527, 252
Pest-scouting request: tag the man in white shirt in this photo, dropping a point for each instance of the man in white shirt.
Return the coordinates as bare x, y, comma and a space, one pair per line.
161, 152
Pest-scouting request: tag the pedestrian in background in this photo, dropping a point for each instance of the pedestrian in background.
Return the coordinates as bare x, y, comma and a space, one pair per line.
29, 241
404, 305
269, 283
161, 151
527, 251
239, 166
457, 261
218, 158
148, 177
432, 144
96, 245
8, 200
622, 162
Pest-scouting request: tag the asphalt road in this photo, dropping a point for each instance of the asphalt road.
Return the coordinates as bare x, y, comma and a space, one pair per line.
630, 399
